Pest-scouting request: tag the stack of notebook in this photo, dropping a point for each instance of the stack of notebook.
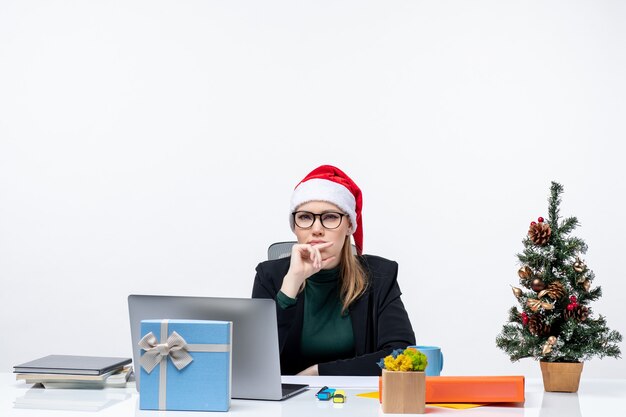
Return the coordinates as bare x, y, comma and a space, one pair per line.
66, 371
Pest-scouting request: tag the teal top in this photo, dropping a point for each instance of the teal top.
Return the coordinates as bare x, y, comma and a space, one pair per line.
326, 333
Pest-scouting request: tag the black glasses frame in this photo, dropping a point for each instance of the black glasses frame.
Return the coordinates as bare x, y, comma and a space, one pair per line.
341, 216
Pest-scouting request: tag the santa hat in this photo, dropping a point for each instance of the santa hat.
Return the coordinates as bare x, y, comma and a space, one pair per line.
328, 183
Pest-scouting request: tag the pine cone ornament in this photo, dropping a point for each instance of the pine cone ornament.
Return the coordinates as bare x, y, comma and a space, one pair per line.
580, 313
539, 233
537, 326
555, 290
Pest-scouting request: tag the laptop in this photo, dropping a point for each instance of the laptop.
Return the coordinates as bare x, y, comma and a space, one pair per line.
255, 354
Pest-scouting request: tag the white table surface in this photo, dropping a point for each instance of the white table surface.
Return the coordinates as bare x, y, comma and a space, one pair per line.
596, 397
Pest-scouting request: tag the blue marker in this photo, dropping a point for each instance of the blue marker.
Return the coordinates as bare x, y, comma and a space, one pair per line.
325, 393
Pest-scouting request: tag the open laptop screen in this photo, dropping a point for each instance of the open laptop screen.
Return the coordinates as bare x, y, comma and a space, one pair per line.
255, 360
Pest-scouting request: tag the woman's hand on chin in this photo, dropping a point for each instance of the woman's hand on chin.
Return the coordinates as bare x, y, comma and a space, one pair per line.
306, 260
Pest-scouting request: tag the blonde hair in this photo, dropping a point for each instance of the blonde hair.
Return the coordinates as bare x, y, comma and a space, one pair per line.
353, 277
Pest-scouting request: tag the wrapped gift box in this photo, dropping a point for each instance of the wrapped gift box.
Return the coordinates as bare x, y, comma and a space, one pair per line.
185, 365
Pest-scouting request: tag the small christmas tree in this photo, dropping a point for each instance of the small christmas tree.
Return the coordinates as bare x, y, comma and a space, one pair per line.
556, 322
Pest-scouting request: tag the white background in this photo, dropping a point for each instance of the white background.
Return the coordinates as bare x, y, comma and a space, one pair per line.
152, 147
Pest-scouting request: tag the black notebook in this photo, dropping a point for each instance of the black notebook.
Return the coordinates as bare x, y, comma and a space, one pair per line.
69, 364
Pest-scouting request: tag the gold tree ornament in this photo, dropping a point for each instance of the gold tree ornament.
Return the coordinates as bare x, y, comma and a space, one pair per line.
535, 305
586, 285
516, 291
579, 266
525, 273
537, 285
539, 233
547, 348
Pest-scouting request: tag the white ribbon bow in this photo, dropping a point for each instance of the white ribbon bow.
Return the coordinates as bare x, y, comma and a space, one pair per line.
175, 348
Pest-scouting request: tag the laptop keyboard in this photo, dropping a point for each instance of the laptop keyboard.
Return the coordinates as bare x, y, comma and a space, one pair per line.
291, 389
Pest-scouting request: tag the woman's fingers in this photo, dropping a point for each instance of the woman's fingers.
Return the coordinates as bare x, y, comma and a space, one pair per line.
318, 253
324, 245
318, 258
306, 251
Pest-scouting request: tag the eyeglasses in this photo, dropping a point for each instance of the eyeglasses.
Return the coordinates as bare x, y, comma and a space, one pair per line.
306, 219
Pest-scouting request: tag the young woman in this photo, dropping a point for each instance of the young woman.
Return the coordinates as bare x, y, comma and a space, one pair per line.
338, 313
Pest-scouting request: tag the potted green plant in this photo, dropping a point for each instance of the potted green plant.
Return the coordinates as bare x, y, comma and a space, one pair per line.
404, 382
555, 323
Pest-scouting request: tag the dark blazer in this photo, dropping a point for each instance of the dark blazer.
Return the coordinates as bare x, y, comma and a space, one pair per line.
379, 321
